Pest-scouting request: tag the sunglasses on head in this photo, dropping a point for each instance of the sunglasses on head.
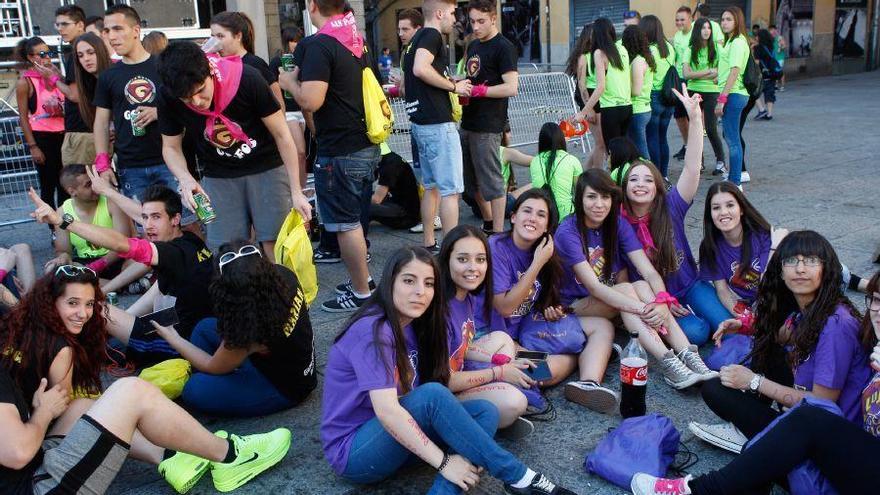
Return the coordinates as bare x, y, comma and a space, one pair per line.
74, 270
246, 250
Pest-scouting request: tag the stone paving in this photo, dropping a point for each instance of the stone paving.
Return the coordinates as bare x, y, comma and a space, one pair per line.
813, 166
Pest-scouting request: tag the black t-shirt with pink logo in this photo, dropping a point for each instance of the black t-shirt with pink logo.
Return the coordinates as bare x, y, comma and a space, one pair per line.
219, 153
486, 63
122, 88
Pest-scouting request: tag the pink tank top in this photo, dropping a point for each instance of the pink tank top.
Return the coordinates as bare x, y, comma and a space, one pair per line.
49, 113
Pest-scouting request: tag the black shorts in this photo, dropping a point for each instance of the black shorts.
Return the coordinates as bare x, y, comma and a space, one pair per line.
598, 107
146, 347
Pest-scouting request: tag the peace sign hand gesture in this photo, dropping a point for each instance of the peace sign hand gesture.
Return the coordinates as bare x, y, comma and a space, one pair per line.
691, 102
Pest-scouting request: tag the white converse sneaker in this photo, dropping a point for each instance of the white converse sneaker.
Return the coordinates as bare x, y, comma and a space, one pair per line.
722, 435
745, 177
592, 396
675, 373
691, 358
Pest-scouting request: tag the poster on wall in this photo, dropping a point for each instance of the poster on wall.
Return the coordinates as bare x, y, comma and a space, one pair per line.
795, 21
850, 28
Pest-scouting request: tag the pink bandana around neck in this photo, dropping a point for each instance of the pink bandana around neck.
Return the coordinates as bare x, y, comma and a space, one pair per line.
343, 28
643, 230
226, 74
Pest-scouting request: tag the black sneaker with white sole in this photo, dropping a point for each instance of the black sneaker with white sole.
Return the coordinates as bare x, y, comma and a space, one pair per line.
540, 485
321, 256
521, 428
435, 249
347, 287
344, 303
592, 396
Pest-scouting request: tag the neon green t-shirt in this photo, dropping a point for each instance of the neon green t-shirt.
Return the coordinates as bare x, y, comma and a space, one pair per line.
590, 80
618, 82
81, 247
702, 85
563, 175
642, 103
663, 65
717, 33
681, 42
735, 53
505, 166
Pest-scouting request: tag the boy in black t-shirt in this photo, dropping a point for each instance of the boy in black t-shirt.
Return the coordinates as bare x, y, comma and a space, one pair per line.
491, 67
181, 261
395, 201
251, 169
327, 84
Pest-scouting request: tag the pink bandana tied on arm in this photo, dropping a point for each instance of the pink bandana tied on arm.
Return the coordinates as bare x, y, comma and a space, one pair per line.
226, 74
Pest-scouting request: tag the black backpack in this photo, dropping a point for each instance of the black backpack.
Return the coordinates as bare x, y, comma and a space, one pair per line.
753, 77
670, 81
770, 67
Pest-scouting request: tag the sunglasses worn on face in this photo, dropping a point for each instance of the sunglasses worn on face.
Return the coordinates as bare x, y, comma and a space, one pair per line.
74, 270
46, 54
246, 250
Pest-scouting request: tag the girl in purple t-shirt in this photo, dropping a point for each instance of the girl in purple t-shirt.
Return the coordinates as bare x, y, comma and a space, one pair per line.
592, 244
845, 452
806, 342
385, 402
491, 372
658, 220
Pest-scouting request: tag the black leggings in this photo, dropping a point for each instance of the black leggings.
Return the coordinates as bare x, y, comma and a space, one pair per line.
49, 172
615, 122
847, 455
751, 413
742, 122
710, 121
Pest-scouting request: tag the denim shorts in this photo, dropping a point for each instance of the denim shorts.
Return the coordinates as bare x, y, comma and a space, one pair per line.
440, 157
344, 185
133, 181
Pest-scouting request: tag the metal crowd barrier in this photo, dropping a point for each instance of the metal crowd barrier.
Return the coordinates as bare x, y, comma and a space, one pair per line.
17, 173
544, 97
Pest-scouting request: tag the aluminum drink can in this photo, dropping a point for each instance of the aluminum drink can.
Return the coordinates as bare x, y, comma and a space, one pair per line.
112, 299
135, 129
287, 66
204, 210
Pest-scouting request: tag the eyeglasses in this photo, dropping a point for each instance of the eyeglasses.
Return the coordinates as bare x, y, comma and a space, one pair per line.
45, 54
246, 250
872, 303
792, 261
74, 270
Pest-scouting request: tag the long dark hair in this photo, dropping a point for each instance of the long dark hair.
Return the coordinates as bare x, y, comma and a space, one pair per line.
86, 82
34, 328
868, 337
252, 301
653, 28
430, 328
599, 181
237, 23
604, 38
621, 150
752, 223
551, 273
663, 258
550, 140
581, 46
636, 43
775, 302
698, 43
765, 39
460, 232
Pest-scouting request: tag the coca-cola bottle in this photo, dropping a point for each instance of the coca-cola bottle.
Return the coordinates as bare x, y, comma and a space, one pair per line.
633, 378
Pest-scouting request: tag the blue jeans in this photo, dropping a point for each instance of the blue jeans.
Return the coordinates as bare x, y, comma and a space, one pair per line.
708, 313
133, 181
440, 157
464, 428
658, 145
344, 185
637, 127
245, 392
730, 123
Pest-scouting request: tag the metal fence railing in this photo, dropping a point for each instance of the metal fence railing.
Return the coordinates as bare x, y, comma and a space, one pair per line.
17, 173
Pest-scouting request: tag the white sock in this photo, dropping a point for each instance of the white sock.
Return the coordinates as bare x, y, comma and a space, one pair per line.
526, 479
361, 296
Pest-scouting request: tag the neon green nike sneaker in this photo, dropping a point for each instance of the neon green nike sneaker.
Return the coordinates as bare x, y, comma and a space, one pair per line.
253, 455
182, 471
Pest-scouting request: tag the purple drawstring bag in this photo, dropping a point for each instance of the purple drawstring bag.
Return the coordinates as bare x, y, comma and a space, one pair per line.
733, 350
805, 479
563, 336
641, 444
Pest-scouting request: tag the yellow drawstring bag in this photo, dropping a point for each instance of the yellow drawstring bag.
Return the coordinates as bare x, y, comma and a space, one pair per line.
293, 249
170, 376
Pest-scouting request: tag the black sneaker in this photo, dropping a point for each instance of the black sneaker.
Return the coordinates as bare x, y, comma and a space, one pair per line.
521, 428
321, 256
761, 115
435, 249
767, 117
540, 485
344, 303
680, 154
346, 288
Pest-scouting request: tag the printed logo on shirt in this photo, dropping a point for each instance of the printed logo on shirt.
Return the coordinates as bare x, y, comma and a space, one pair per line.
140, 90
597, 262
526, 306
473, 66
871, 406
456, 358
414, 364
295, 309
747, 279
219, 136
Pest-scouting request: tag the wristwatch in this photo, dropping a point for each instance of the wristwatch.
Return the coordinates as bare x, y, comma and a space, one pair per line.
756, 382
66, 220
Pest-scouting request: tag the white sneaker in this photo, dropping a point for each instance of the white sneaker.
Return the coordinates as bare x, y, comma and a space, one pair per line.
675, 373
745, 177
592, 396
722, 435
437, 224
691, 358
646, 484
720, 169
418, 229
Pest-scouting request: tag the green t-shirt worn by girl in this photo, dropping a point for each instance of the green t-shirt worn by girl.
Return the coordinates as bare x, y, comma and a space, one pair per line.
681, 42
735, 53
663, 65
563, 175
642, 103
702, 85
618, 82
590, 81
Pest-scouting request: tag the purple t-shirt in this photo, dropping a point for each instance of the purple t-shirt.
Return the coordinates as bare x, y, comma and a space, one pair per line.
508, 265
745, 283
838, 362
460, 329
569, 244
355, 366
